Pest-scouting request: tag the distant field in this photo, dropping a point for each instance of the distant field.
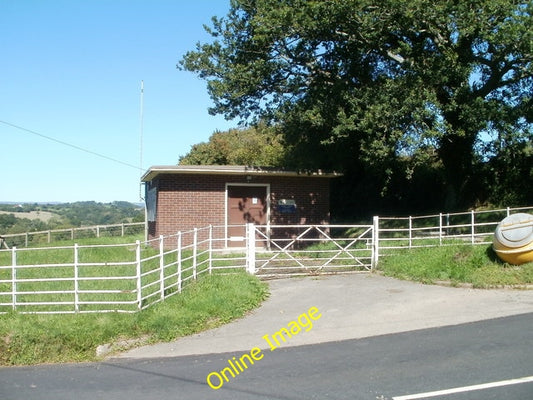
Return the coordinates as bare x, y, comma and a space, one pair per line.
44, 216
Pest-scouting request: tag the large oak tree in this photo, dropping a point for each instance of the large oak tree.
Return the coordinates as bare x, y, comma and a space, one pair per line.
361, 85
256, 146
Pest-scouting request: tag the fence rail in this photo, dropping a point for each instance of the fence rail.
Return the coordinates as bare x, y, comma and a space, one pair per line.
107, 278
309, 249
133, 276
474, 227
27, 238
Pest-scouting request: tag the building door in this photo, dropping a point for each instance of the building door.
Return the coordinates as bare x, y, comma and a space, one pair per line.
245, 204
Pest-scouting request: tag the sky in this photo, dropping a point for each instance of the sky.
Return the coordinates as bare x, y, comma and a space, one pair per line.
70, 95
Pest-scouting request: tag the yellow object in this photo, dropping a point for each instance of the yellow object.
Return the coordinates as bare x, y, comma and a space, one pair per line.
513, 239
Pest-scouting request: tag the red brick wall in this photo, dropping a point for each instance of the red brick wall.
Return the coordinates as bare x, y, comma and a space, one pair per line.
311, 196
187, 201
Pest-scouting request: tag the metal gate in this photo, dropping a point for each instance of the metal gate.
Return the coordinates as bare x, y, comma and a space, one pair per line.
274, 250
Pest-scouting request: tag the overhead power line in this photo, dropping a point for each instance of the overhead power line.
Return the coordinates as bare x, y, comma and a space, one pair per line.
69, 145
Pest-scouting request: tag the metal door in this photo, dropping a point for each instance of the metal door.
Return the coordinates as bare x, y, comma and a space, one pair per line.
245, 204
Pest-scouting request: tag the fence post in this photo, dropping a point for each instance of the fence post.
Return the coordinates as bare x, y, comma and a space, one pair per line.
179, 262
473, 230
375, 243
122, 229
162, 266
138, 272
76, 283
194, 252
440, 229
14, 277
49, 236
250, 248
410, 231
26, 239
210, 250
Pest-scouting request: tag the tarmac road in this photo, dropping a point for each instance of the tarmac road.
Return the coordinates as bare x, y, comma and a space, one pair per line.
375, 368
377, 338
352, 306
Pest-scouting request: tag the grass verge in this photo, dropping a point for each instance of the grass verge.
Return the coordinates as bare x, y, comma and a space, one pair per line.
212, 301
456, 265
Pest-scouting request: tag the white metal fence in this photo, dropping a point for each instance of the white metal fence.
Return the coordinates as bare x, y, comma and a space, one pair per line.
130, 277
49, 236
107, 278
474, 227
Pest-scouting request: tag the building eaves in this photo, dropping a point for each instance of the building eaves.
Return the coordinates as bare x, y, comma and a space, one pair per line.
157, 170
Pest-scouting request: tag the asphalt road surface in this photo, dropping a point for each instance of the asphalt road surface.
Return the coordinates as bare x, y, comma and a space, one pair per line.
377, 338
382, 367
352, 307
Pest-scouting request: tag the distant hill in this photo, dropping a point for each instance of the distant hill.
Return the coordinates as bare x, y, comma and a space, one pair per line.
28, 217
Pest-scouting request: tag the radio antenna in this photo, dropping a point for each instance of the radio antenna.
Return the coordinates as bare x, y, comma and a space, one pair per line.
141, 121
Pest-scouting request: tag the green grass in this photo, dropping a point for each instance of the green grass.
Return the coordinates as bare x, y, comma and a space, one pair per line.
209, 302
457, 264
122, 277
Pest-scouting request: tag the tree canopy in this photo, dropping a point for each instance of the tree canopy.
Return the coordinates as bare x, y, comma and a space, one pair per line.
258, 146
384, 88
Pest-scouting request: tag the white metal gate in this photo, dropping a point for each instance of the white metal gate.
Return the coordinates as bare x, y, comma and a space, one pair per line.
275, 250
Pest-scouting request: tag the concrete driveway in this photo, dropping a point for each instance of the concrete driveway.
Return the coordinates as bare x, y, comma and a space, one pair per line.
352, 306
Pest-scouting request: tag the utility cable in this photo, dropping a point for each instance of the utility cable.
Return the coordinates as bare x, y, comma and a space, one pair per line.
70, 145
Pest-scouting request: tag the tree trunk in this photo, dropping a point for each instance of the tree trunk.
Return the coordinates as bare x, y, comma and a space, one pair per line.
456, 153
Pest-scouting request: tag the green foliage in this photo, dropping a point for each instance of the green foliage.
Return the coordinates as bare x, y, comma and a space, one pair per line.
509, 172
9, 223
93, 213
382, 90
66, 215
210, 302
476, 265
259, 146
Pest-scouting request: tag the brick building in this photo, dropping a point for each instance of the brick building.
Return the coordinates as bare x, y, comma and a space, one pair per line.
181, 198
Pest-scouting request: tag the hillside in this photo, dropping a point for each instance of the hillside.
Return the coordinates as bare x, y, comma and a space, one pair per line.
18, 218
44, 216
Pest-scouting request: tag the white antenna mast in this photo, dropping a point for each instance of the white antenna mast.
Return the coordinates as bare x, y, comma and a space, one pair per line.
141, 198
141, 140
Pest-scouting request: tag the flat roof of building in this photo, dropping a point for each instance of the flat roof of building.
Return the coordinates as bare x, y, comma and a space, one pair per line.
157, 170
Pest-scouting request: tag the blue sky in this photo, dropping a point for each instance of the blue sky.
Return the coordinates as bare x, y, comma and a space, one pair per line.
72, 70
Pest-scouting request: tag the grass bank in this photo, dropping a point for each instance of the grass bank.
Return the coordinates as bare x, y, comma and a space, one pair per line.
212, 301
456, 265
